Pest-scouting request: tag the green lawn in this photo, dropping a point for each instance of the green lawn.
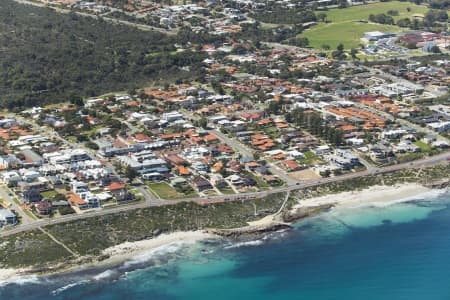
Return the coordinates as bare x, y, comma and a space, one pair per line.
259, 181
165, 191
344, 28
423, 146
348, 33
272, 131
227, 191
49, 194
362, 12
309, 159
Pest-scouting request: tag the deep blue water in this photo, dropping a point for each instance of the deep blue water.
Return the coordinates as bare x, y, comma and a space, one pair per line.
401, 251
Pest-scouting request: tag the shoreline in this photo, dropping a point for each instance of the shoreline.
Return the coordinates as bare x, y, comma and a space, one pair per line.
378, 195
116, 255
125, 251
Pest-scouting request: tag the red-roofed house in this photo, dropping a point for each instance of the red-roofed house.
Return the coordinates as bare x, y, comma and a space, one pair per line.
118, 190
291, 165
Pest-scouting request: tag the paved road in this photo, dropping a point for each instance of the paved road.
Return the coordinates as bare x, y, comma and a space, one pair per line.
426, 162
249, 153
4, 194
150, 199
244, 150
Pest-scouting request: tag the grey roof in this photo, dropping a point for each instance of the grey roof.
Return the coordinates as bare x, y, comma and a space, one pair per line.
6, 213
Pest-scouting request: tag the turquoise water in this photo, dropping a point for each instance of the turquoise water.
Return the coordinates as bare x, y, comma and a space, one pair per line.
401, 251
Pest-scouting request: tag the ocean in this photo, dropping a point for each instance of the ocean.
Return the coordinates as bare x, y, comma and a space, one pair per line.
397, 251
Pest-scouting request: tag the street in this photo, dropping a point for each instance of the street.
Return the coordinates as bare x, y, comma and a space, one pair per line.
426, 162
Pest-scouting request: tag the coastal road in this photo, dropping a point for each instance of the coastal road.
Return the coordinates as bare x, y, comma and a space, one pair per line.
426, 162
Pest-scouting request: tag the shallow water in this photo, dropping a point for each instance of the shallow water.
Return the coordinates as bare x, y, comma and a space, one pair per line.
401, 251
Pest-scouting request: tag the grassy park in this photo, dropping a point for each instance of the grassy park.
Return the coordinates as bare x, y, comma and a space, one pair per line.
348, 33
345, 26
362, 12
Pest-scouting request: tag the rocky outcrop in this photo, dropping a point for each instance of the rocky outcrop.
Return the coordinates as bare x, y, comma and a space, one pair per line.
303, 212
441, 184
249, 230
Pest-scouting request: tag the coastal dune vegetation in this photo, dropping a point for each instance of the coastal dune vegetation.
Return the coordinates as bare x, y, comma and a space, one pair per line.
87, 238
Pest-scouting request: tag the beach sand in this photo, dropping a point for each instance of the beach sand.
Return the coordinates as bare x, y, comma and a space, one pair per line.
7, 275
379, 195
128, 250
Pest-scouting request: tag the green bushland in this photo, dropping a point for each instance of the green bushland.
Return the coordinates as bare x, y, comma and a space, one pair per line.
32, 248
91, 235
50, 57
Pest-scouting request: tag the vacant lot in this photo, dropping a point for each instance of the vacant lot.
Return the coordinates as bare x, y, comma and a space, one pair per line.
305, 175
165, 191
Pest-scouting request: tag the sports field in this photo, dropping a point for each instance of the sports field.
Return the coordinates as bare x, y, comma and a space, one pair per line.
345, 27
348, 33
362, 12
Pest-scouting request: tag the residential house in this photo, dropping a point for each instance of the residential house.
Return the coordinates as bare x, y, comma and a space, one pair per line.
201, 183
10, 161
118, 190
43, 208
7, 217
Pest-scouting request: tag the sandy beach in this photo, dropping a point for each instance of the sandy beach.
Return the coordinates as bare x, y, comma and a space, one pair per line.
372, 196
118, 254
379, 195
7, 275
128, 250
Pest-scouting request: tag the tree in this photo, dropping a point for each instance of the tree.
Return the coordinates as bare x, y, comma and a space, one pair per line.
325, 173
392, 12
92, 145
130, 173
405, 22
353, 53
326, 47
300, 41
203, 122
339, 53
322, 17
76, 100
435, 49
